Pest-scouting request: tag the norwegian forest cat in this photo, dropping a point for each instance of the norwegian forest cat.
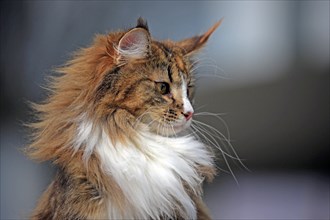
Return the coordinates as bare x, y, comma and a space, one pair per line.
114, 126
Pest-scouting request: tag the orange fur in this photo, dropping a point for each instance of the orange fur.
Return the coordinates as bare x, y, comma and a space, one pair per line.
112, 92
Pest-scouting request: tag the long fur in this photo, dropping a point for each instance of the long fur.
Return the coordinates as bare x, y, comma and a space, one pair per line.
112, 127
150, 174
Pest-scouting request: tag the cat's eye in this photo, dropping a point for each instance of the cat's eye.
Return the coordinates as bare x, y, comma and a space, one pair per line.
163, 87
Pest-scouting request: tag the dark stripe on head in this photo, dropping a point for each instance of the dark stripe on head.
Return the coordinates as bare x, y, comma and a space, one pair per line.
108, 81
167, 52
169, 72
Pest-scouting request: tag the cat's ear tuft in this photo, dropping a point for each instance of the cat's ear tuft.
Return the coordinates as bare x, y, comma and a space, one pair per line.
194, 44
135, 44
141, 23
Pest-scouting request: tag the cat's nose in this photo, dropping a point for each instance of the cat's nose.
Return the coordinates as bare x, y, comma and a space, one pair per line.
188, 115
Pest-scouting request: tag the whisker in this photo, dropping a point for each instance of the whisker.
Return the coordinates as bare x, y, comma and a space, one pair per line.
217, 115
138, 119
199, 107
225, 139
211, 63
227, 163
215, 143
158, 127
198, 131
173, 130
151, 122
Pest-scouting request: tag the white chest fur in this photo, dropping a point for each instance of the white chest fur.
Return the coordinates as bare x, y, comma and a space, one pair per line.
150, 174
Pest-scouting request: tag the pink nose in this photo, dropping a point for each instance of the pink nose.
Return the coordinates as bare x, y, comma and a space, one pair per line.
188, 115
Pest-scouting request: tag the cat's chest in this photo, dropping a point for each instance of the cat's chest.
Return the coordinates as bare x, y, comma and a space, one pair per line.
151, 175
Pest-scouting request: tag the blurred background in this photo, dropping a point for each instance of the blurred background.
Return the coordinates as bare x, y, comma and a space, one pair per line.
266, 68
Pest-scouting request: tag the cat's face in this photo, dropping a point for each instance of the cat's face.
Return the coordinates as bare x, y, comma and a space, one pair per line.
159, 91
152, 80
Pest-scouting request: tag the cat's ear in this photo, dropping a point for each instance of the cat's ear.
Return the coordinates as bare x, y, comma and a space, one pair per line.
194, 44
135, 44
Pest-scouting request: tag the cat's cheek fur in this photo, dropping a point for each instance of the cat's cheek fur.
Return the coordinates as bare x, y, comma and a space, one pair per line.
155, 176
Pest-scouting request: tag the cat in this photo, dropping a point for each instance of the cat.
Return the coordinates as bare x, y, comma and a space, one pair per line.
115, 126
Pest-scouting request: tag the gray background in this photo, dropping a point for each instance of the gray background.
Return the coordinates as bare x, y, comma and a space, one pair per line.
266, 67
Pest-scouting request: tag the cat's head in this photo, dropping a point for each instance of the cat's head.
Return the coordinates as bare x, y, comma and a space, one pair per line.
124, 82
150, 80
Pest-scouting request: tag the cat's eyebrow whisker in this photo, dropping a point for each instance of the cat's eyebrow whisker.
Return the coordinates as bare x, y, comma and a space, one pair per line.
209, 73
205, 75
215, 64
208, 63
202, 58
197, 61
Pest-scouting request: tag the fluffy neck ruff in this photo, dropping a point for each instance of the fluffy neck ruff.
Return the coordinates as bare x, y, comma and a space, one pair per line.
157, 175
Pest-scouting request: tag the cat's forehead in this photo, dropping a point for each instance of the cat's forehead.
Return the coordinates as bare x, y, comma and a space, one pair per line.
171, 59
166, 49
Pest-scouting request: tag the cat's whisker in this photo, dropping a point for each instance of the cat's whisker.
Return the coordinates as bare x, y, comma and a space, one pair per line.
223, 137
198, 61
205, 75
194, 132
213, 132
164, 131
162, 126
167, 131
209, 73
217, 115
223, 154
214, 142
150, 123
194, 127
115, 92
208, 142
213, 72
138, 119
158, 129
199, 107
173, 130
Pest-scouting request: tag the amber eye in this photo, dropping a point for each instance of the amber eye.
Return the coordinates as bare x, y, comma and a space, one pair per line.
163, 87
